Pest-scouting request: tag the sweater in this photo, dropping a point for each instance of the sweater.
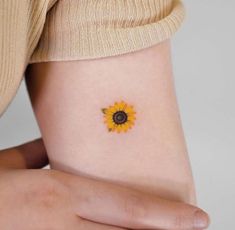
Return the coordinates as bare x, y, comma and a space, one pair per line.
34, 31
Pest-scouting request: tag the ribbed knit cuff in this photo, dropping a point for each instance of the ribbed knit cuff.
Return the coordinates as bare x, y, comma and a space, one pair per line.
86, 29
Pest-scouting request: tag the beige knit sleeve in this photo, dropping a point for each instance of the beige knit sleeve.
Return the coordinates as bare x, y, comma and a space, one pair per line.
85, 29
52, 30
21, 24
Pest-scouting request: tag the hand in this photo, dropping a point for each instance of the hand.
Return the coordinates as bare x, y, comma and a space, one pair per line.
49, 199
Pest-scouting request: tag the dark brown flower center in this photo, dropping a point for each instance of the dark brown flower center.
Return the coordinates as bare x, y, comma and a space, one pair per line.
120, 117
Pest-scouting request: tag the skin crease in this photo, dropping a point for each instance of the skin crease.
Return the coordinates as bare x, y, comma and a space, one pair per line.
67, 98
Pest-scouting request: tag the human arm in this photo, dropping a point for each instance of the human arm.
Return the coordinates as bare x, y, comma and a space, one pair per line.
30, 155
68, 98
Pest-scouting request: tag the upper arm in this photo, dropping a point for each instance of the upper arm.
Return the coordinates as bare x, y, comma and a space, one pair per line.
68, 98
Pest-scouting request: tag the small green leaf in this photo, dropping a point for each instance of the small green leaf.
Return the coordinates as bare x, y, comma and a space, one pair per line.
104, 110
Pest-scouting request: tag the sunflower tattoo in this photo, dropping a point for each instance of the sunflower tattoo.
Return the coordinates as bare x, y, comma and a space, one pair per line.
119, 117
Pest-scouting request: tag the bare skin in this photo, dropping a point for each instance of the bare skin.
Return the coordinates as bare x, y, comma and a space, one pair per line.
67, 98
50, 199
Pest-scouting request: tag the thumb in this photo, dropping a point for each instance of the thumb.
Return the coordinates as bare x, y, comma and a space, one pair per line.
120, 206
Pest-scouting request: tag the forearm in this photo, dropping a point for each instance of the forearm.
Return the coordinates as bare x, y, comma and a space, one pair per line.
27, 155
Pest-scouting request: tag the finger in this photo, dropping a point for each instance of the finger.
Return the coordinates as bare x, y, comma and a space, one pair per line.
29, 155
90, 225
116, 205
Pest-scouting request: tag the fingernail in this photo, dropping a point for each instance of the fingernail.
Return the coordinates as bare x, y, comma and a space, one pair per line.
201, 220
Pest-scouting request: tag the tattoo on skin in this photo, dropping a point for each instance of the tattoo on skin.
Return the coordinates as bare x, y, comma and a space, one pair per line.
119, 117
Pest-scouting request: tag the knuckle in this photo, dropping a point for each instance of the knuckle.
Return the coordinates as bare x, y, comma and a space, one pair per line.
46, 195
135, 208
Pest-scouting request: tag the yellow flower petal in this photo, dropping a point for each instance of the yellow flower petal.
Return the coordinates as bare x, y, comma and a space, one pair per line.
122, 105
